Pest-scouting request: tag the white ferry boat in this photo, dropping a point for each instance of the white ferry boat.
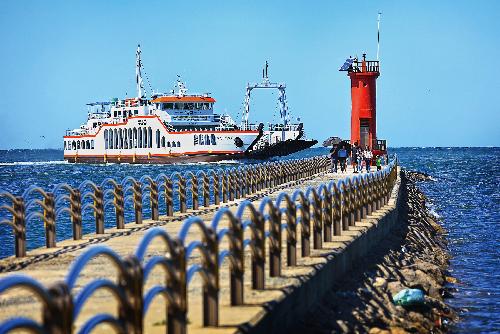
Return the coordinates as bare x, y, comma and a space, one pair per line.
177, 127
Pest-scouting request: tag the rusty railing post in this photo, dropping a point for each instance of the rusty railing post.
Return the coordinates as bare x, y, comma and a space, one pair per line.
357, 200
306, 227
99, 210
19, 220
137, 192
49, 219
169, 197
194, 192
206, 190
237, 183
291, 240
244, 181
216, 187
259, 253
337, 205
327, 215
224, 186
153, 199
369, 188
379, 192
75, 206
211, 286
364, 197
237, 266
131, 283
58, 314
345, 207
181, 181
252, 187
275, 243
317, 227
231, 183
177, 311
119, 206
352, 203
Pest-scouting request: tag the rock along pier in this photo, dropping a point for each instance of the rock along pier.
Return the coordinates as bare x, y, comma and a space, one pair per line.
255, 250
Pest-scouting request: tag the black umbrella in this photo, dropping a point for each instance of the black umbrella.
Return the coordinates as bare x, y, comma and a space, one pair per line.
332, 141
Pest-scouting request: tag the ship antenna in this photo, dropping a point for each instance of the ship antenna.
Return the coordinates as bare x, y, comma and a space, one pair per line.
378, 34
138, 75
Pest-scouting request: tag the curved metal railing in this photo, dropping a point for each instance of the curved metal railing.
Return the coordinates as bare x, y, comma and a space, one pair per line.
99, 202
326, 205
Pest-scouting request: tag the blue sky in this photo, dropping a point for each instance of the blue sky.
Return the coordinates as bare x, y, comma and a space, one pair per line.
439, 84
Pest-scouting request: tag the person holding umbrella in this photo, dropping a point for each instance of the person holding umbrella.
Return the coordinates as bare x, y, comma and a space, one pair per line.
333, 157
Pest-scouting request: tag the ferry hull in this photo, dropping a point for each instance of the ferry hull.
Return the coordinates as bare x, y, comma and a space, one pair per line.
281, 149
171, 159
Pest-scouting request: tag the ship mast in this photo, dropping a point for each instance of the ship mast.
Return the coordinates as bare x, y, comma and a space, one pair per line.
138, 74
281, 87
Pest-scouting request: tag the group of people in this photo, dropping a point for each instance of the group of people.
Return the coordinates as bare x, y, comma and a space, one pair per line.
358, 156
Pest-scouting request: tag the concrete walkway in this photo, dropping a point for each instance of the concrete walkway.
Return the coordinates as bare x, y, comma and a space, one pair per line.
51, 265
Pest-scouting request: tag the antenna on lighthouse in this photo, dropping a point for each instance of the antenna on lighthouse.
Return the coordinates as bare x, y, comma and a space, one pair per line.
138, 74
378, 34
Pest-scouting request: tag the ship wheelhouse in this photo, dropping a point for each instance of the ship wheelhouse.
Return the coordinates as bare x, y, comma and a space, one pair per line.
187, 112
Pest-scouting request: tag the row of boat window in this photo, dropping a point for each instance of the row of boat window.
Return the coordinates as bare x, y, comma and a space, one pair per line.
141, 137
78, 144
205, 139
125, 113
185, 106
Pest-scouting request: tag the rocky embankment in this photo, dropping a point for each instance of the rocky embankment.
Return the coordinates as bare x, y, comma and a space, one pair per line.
413, 256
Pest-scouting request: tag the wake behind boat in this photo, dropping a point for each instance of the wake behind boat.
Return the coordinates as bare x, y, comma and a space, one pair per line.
178, 127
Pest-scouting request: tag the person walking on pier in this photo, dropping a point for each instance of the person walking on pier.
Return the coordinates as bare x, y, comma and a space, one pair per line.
334, 159
342, 156
368, 155
354, 157
379, 162
361, 159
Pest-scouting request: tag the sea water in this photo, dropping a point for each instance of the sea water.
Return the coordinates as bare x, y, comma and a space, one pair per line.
465, 194
19, 169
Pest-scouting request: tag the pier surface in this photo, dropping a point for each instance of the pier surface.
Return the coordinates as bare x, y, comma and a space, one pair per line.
49, 265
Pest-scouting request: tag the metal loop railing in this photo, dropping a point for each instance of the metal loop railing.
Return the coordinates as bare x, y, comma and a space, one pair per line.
326, 205
111, 201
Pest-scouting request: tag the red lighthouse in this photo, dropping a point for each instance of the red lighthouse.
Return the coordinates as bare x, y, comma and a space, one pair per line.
364, 76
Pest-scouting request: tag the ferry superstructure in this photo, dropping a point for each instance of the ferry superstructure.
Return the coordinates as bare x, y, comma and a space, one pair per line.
171, 127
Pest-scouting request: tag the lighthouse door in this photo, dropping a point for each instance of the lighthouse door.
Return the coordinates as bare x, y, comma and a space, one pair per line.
364, 133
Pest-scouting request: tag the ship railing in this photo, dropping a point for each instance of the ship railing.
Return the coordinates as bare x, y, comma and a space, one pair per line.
282, 127
99, 115
249, 127
330, 209
80, 132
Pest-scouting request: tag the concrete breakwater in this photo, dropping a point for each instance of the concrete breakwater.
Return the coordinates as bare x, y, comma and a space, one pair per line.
413, 255
247, 282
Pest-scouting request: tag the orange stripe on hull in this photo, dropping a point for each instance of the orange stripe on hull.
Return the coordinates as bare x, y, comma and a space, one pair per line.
156, 158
